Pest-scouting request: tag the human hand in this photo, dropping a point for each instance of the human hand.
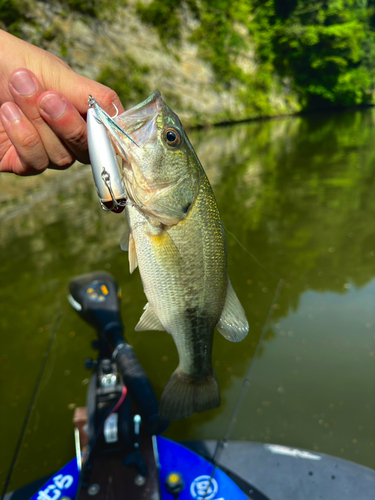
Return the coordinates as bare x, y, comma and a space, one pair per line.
43, 105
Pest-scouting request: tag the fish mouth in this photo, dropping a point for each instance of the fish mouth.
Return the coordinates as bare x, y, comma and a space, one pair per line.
140, 122
148, 183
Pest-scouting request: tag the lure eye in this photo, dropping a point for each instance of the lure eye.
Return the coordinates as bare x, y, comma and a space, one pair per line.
172, 137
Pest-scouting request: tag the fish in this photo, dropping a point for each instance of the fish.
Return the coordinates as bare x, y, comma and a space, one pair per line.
176, 238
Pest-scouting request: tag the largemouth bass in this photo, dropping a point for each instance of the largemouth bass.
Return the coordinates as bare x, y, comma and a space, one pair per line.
176, 238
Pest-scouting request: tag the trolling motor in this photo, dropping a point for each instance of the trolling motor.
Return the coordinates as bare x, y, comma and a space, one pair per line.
96, 298
119, 442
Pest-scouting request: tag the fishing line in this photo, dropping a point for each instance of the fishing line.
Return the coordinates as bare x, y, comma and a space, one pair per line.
56, 326
252, 255
246, 383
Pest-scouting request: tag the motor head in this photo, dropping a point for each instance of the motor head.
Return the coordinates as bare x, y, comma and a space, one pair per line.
96, 297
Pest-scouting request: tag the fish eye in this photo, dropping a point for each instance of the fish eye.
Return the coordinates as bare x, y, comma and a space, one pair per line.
172, 137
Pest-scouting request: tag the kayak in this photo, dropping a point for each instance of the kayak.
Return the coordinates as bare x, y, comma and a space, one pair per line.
247, 470
120, 452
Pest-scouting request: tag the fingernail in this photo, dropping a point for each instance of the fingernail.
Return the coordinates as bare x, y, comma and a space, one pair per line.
11, 111
23, 83
53, 105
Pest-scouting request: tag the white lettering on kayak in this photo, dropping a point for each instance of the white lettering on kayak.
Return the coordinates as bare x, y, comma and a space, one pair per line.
292, 452
203, 487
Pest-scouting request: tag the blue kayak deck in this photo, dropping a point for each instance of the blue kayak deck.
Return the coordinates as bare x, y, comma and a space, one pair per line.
282, 473
261, 471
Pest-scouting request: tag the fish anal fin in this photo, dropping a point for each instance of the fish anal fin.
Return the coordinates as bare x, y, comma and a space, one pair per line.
233, 324
133, 260
184, 395
149, 321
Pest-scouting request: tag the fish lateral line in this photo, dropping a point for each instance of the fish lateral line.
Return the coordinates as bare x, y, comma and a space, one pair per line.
100, 111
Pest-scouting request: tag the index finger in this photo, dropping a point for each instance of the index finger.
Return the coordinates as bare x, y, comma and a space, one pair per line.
78, 88
69, 126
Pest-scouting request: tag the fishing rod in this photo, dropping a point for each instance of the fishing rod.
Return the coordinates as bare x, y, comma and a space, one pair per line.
56, 326
222, 444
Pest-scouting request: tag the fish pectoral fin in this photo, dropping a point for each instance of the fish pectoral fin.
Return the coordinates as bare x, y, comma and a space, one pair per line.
149, 321
127, 244
233, 324
124, 242
133, 259
167, 252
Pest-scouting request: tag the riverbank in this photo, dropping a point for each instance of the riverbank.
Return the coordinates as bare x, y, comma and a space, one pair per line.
120, 50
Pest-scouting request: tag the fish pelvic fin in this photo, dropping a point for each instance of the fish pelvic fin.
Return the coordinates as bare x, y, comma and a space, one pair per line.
149, 320
233, 324
184, 395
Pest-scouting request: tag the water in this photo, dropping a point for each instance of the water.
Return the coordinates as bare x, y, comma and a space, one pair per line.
298, 194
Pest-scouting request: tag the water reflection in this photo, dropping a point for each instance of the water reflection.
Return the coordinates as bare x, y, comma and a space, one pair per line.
296, 192
314, 385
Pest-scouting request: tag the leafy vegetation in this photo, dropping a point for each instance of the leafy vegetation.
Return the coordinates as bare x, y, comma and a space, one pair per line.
326, 47
323, 50
310, 54
94, 8
126, 77
11, 14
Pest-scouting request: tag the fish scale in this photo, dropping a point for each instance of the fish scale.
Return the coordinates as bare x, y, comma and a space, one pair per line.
176, 238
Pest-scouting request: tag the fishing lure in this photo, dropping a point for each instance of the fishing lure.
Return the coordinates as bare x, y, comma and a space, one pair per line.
108, 181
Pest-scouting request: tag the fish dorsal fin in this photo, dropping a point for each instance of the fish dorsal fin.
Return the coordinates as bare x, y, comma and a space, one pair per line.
133, 259
233, 324
149, 321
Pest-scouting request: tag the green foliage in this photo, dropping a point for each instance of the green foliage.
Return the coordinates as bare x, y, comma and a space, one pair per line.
126, 77
12, 14
64, 50
218, 39
320, 52
164, 16
94, 8
223, 41
324, 48
221, 33
9, 11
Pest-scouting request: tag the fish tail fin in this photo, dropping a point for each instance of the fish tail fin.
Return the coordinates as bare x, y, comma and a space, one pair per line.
184, 395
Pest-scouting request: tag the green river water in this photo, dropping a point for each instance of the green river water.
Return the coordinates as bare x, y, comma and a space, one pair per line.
299, 194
